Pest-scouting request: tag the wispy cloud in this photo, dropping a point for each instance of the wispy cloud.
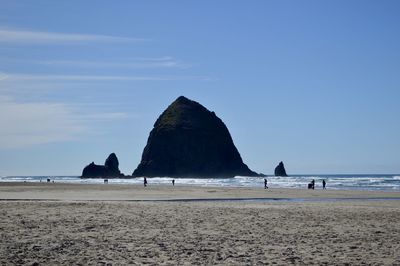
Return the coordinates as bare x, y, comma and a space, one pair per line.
3, 76
65, 78
43, 37
28, 124
163, 62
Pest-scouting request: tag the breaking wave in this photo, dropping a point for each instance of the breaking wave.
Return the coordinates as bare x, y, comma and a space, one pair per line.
350, 182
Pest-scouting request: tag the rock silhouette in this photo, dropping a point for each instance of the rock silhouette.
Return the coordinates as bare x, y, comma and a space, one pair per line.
110, 169
190, 141
112, 164
280, 170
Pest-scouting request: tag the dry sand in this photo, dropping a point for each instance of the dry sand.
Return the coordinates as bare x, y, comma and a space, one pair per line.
53, 224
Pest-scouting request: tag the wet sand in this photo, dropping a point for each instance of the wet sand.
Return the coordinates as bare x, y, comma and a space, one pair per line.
75, 224
113, 192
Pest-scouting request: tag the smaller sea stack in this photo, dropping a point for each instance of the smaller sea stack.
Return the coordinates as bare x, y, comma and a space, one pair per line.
110, 169
280, 170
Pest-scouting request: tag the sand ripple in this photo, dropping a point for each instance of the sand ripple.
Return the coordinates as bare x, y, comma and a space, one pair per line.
116, 233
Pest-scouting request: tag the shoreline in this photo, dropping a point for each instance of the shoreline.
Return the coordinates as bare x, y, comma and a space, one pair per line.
134, 192
378, 182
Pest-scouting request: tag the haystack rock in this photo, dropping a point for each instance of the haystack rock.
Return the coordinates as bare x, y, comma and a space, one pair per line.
190, 141
280, 170
110, 169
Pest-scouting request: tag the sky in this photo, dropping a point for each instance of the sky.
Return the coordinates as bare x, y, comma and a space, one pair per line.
315, 84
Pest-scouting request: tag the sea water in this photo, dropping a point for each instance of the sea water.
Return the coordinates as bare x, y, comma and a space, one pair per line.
347, 182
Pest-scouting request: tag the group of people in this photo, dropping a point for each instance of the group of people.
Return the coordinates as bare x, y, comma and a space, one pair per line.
310, 185
145, 182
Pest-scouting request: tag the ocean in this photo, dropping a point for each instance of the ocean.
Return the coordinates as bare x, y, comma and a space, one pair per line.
382, 182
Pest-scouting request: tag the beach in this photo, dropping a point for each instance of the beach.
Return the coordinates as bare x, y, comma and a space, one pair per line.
54, 223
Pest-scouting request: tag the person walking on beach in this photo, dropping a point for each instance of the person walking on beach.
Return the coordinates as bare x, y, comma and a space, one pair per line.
313, 184
323, 184
173, 182
265, 183
145, 182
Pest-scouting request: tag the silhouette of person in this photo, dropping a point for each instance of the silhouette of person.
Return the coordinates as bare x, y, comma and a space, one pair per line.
145, 182
173, 182
265, 183
313, 184
323, 184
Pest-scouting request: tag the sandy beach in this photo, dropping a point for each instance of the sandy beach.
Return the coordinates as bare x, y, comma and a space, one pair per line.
77, 224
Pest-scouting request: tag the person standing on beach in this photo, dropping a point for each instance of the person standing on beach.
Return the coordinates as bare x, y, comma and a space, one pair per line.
145, 182
173, 182
323, 184
313, 184
265, 183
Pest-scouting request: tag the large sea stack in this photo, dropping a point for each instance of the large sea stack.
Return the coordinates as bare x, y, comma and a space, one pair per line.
280, 170
190, 141
110, 169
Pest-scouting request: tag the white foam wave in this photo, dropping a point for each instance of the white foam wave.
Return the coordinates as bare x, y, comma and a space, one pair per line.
370, 182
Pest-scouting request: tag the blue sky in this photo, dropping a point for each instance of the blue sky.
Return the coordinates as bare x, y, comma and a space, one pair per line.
313, 83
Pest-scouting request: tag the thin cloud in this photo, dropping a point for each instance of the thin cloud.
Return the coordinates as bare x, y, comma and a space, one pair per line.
135, 63
29, 77
43, 37
3, 76
30, 124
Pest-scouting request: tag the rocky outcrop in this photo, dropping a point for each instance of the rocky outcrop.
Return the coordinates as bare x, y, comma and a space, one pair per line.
280, 170
94, 171
112, 164
190, 141
110, 169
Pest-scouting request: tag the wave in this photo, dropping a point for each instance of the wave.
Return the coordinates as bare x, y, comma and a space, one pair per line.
353, 182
